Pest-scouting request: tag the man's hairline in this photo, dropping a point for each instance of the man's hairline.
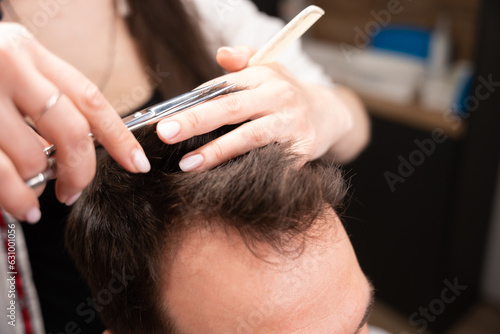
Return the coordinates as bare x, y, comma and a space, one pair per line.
213, 229
218, 226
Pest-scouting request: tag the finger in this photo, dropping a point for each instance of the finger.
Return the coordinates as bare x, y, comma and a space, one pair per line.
105, 123
250, 77
233, 59
250, 102
64, 126
248, 136
228, 109
20, 143
40, 139
17, 199
40, 189
27, 154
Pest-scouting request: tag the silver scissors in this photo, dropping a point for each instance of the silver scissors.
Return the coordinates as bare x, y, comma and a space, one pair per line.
150, 115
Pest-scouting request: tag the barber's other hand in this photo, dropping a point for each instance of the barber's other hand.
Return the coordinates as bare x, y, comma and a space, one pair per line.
278, 106
31, 75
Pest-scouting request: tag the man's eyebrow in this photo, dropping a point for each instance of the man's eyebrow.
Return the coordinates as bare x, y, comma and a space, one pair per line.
368, 309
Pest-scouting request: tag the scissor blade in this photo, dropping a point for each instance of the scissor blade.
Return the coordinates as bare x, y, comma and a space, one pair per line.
192, 103
147, 116
139, 118
207, 95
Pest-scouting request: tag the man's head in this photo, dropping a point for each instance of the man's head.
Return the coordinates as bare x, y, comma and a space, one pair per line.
252, 246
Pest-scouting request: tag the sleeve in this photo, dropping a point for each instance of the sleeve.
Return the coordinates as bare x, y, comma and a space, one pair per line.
239, 22
19, 301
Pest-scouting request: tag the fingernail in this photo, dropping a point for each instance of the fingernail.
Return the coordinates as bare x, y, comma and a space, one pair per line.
73, 199
228, 49
140, 161
168, 130
33, 215
190, 163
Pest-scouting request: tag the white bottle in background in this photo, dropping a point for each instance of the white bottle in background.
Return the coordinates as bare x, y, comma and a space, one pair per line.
438, 88
440, 49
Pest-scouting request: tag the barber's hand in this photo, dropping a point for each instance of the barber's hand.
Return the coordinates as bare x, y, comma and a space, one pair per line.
30, 77
279, 108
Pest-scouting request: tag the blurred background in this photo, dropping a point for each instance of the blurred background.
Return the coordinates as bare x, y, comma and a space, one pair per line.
424, 212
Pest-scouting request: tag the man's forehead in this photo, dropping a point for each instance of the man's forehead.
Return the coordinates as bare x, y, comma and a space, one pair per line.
216, 270
207, 246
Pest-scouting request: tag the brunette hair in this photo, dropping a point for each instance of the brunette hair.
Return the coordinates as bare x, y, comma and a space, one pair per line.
131, 225
169, 36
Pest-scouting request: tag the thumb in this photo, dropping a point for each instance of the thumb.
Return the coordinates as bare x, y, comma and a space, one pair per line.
233, 59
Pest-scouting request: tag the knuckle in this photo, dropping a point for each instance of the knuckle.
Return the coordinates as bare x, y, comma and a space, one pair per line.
266, 71
117, 140
6, 56
110, 130
8, 59
80, 132
16, 45
286, 90
92, 98
231, 104
76, 150
217, 151
12, 196
123, 137
5, 171
35, 164
192, 120
291, 119
256, 135
28, 166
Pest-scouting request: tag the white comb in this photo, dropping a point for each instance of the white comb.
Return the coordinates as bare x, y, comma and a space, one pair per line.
292, 31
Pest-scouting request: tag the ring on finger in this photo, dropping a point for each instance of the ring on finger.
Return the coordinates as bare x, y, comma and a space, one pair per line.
51, 102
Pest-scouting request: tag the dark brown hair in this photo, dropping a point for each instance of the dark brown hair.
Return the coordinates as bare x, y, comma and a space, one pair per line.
130, 225
169, 37
125, 225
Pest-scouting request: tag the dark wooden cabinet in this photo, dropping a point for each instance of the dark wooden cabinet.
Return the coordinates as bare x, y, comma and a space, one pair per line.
268, 6
400, 225
423, 243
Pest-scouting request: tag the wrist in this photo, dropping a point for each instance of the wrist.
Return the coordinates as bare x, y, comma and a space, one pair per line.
335, 120
354, 123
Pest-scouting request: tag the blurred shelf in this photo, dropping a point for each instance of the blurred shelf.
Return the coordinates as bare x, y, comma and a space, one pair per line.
415, 116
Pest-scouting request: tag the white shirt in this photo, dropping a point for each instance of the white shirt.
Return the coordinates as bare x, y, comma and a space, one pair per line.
239, 22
